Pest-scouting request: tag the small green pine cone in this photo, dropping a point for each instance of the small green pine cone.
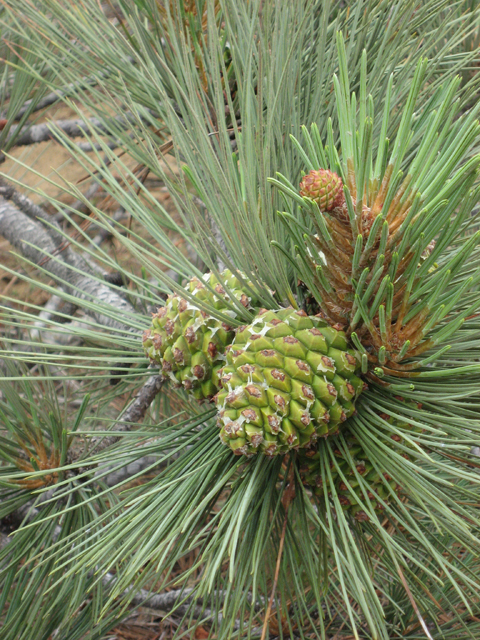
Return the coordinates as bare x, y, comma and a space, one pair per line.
187, 342
351, 495
324, 187
289, 379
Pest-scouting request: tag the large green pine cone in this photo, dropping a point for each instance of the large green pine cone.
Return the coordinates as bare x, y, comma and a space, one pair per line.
351, 497
187, 342
289, 379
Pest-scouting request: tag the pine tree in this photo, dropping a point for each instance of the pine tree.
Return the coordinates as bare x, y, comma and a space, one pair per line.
323, 163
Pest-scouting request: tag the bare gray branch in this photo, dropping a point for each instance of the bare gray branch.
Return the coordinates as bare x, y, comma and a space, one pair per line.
42, 132
132, 415
67, 268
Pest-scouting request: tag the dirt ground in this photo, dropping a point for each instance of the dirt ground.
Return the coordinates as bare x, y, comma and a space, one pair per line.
45, 169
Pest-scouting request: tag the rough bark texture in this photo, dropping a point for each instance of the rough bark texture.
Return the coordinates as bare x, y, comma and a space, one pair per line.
133, 414
55, 96
4, 540
34, 241
161, 601
46, 101
31, 209
128, 471
70, 89
41, 132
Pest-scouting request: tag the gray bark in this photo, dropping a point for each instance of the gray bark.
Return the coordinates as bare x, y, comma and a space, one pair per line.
34, 241
4, 540
72, 128
70, 89
165, 601
86, 147
46, 101
105, 233
32, 210
128, 471
55, 96
79, 205
133, 414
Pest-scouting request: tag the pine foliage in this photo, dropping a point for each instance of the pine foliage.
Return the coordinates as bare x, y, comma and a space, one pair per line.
246, 98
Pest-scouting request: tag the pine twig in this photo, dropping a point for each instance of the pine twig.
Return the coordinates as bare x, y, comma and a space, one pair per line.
69, 270
133, 415
4, 540
36, 133
31, 209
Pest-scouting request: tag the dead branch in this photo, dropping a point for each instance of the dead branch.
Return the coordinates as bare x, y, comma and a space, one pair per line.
31, 209
161, 601
36, 133
79, 205
87, 147
54, 96
4, 540
106, 232
131, 416
64, 92
67, 268
128, 471
166, 601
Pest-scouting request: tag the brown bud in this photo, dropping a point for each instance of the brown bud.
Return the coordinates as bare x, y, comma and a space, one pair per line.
198, 371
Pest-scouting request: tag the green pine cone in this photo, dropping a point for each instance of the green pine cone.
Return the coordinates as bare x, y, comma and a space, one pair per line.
289, 379
351, 496
324, 187
187, 342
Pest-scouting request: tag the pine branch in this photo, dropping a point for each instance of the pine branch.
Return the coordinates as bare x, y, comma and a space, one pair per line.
72, 128
161, 526
34, 242
4, 540
133, 415
31, 209
71, 89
